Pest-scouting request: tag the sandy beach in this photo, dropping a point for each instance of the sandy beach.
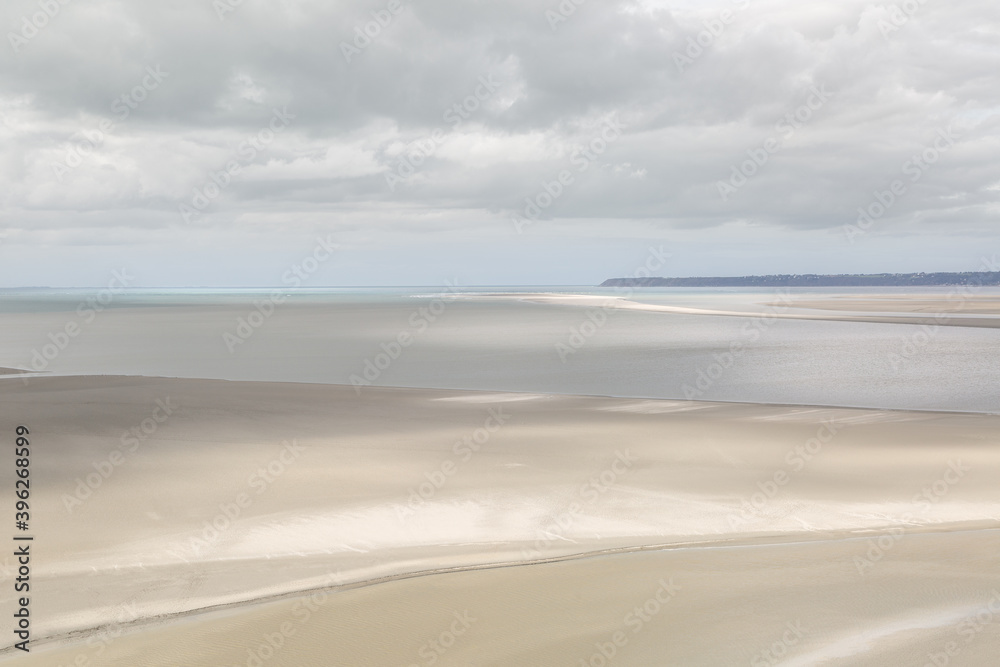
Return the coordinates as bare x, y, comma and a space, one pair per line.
958, 302
749, 604
184, 521
901, 310
500, 334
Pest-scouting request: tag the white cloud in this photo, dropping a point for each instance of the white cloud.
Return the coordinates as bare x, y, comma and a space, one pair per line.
893, 89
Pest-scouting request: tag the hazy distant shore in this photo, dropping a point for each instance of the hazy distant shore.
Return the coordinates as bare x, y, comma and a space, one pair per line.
912, 280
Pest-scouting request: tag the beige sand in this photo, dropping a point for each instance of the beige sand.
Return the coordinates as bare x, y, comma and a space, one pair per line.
983, 305
561, 476
943, 309
803, 604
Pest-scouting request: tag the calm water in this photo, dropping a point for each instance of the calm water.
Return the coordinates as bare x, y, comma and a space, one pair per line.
331, 335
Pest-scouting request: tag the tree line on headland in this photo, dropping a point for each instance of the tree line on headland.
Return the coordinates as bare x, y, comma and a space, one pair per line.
978, 278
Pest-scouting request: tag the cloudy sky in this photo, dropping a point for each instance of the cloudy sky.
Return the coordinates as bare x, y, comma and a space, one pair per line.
210, 143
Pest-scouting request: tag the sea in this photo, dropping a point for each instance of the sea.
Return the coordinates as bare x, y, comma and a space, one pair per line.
499, 338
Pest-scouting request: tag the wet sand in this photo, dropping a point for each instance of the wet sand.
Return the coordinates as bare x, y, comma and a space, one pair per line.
794, 604
211, 508
957, 303
908, 312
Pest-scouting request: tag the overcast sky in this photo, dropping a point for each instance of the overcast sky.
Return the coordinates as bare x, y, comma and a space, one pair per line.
741, 136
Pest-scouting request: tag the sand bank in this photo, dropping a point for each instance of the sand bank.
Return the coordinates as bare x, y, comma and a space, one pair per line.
801, 604
981, 305
160, 498
980, 310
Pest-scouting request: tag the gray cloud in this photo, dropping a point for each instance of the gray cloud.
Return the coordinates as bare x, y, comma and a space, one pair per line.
691, 113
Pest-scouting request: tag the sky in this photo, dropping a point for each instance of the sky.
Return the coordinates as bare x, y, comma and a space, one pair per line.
220, 143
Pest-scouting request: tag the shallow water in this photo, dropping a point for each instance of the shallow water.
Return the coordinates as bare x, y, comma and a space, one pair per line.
335, 336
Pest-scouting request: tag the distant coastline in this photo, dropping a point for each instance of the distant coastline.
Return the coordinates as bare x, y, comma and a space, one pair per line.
980, 278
